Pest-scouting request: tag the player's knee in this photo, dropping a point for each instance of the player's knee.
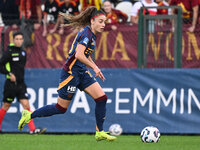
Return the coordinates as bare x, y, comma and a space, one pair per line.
102, 98
6, 106
27, 107
61, 109
25, 104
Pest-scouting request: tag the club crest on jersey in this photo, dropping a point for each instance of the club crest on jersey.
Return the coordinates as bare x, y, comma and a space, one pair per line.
86, 40
26, 94
23, 53
71, 89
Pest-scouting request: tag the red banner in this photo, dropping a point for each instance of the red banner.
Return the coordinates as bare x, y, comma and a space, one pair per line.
1, 29
115, 49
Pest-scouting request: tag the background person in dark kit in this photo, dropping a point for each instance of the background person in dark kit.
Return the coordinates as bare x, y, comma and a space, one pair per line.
68, 7
12, 64
31, 18
50, 14
10, 13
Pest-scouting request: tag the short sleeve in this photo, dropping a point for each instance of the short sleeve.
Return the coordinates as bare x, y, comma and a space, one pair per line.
84, 41
195, 3
85, 38
4, 59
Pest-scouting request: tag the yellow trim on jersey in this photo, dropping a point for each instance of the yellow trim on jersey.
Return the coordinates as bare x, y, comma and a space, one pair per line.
73, 44
63, 83
90, 49
71, 65
89, 73
98, 3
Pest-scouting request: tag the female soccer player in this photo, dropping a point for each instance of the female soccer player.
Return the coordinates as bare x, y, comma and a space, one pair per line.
75, 74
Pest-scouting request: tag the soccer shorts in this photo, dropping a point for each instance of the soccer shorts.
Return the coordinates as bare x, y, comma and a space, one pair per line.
12, 90
69, 83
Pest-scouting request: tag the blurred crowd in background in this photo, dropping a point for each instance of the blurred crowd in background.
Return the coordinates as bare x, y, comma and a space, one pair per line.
44, 12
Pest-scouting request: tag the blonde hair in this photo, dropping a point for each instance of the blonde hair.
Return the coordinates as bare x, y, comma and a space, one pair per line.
83, 19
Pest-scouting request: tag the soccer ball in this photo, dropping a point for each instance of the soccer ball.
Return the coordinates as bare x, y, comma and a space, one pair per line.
115, 129
150, 134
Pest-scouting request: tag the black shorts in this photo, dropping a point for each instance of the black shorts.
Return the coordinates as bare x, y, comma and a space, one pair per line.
12, 90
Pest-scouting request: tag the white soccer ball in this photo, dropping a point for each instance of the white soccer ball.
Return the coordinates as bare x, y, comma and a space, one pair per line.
150, 134
115, 129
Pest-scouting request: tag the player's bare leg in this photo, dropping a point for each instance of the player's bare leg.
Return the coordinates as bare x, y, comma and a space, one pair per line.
62, 102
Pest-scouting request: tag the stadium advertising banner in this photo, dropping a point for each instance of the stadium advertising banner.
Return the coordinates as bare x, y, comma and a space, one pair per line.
166, 98
1, 29
114, 49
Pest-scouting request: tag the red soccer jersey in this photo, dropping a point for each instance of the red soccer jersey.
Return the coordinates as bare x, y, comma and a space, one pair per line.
186, 6
28, 8
34, 4
115, 16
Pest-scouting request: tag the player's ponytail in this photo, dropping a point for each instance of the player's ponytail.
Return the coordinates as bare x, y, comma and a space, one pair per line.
82, 19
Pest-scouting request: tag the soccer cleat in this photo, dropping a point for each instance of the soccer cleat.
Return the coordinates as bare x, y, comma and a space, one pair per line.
102, 135
38, 131
26, 118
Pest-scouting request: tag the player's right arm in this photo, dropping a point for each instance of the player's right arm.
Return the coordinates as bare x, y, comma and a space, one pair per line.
82, 58
5, 66
3, 61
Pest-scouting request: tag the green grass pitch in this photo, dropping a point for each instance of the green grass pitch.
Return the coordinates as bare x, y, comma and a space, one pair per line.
87, 142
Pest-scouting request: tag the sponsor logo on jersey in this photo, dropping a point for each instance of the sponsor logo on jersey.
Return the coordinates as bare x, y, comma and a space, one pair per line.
86, 40
71, 89
15, 58
26, 94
